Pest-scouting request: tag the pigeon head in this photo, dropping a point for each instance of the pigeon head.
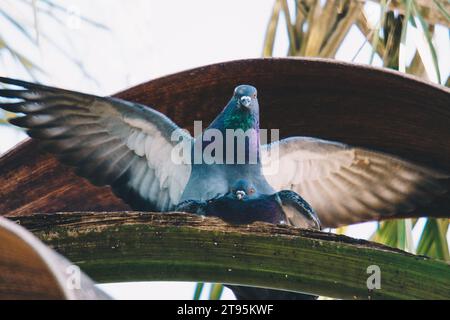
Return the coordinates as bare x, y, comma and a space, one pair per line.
245, 96
241, 112
243, 190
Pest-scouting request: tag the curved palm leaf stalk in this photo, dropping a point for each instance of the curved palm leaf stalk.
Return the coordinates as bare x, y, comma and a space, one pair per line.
127, 246
31, 270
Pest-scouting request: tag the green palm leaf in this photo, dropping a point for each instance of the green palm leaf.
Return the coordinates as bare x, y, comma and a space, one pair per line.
216, 291
433, 241
198, 290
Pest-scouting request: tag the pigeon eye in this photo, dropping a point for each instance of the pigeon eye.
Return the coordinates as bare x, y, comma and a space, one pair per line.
251, 191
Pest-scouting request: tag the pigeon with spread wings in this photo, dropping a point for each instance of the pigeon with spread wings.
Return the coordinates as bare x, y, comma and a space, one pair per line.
128, 146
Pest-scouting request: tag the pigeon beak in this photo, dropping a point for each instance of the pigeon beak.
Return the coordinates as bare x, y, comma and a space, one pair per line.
240, 194
245, 101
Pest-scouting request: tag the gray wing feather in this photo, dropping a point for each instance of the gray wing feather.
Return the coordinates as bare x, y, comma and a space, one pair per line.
110, 141
346, 185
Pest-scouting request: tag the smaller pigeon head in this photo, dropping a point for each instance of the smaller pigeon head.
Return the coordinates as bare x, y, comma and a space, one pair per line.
243, 190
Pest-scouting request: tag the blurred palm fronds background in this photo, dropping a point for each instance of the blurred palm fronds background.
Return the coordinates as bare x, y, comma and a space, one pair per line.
25, 16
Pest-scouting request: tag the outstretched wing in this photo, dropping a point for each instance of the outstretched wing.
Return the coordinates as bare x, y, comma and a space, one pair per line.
345, 185
110, 141
298, 212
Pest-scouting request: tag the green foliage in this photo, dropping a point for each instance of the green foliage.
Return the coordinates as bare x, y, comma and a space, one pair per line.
428, 36
395, 233
433, 241
216, 291
198, 290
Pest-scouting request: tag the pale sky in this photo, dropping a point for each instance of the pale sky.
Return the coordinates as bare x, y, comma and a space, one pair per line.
148, 39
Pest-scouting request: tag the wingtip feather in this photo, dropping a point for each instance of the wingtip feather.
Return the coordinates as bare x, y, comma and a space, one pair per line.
15, 82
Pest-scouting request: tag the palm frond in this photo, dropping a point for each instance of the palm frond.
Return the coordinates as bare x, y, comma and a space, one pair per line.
51, 11
63, 10
271, 30
216, 291
428, 37
433, 240
198, 290
442, 9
